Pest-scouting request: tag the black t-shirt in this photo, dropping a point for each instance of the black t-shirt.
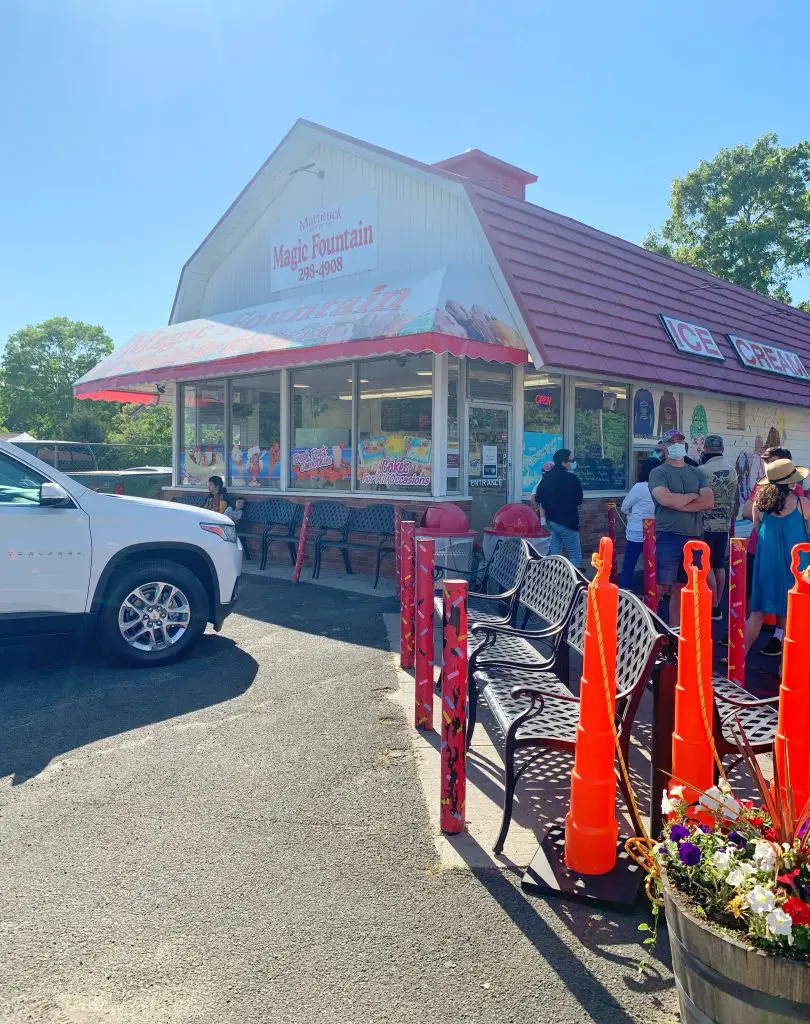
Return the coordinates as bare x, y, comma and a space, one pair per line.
560, 494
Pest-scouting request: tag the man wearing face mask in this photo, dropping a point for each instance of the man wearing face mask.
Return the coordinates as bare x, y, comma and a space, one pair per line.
681, 494
559, 494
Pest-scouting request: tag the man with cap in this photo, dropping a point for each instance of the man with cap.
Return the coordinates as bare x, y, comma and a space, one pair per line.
681, 495
721, 476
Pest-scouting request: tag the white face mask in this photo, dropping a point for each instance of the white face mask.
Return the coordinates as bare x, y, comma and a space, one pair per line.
572, 465
676, 451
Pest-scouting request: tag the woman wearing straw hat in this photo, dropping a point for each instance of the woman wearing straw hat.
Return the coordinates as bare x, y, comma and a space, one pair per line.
781, 520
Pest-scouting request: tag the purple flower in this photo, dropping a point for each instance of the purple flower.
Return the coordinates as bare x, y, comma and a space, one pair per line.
737, 839
678, 832
689, 854
704, 829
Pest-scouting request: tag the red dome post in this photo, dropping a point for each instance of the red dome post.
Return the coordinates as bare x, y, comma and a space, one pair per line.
406, 597
650, 566
454, 706
591, 829
692, 757
302, 543
424, 634
792, 743
398, 546
736, 610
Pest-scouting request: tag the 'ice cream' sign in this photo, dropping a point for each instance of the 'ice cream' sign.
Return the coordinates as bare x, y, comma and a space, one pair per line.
692, 339
758, 356
331, 242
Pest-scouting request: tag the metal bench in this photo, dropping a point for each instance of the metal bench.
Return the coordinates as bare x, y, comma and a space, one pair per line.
276, 516
377, 520
535, 708
757, 717
328, 518
497, 600
197, 500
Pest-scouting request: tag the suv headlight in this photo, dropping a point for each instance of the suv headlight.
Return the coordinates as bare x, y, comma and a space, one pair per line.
225, 532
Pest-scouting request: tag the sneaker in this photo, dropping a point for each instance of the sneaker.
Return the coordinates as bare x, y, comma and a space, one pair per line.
773, 648
717, 614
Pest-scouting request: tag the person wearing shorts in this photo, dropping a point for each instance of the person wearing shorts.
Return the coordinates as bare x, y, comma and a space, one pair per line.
721, 476
681, 495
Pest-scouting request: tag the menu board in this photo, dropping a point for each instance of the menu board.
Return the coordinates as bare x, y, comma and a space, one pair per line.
405, 414
601, 449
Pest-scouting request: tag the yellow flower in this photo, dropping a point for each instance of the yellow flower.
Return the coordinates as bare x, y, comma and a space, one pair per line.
735, 907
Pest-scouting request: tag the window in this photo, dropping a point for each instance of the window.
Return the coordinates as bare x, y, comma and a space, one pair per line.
256, 431
600, 435
321, 437
202, 443
542, 424
489, 382
394, 446
736, 416
19, 485
453, 426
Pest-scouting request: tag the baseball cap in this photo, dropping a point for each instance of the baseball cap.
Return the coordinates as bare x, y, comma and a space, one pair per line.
670, 435
713, 444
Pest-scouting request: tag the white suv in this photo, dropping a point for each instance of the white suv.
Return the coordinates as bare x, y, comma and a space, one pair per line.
148, 574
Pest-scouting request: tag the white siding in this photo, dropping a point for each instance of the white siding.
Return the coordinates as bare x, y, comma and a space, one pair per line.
422, 226
764, 424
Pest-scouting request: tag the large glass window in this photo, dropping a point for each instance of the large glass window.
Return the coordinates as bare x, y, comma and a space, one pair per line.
321, 437
256, 431
202, 447
542, 424
394, 446
601, 435
489, 382
453, 426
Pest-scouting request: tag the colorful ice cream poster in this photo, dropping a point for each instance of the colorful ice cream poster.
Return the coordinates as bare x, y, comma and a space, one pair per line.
395, 460
537, 449
198, 464
255, 466
323, 465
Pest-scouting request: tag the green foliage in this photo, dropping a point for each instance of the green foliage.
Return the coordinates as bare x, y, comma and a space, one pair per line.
744, 216
39, 366
142, 424
83, 425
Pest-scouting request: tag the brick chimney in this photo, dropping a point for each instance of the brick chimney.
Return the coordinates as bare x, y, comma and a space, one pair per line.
490, 172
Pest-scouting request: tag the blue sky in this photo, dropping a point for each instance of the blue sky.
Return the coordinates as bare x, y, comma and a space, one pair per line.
128, 126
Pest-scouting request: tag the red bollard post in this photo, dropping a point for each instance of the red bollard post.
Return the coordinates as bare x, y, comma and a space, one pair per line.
650, 567
611, 516
736, 610
397, 544
591, 829
454, 706
302, 543
406, 596
425, 641
692, 758
792, 741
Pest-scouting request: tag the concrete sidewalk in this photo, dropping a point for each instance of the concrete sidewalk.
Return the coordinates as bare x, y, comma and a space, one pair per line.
244, 839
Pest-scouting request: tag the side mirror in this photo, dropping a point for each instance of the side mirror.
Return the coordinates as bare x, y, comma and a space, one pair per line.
53, 495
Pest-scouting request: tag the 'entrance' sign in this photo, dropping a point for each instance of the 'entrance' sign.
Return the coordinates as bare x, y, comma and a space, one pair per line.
692, 339
758, 356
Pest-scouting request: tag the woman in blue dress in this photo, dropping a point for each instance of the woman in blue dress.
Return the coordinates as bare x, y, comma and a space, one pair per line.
782, 520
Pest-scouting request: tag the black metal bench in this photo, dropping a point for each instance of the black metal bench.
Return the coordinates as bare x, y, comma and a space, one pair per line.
197, 500
532, 703
377, 520
327, 519
276, 516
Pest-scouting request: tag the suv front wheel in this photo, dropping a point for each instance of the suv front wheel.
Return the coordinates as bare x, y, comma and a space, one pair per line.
154, 612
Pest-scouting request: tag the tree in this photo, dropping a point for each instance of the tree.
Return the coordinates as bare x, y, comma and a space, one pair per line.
83, 425
38, 368
744, 216
145, 425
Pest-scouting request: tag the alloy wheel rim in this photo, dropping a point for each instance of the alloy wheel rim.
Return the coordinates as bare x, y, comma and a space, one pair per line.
154, 616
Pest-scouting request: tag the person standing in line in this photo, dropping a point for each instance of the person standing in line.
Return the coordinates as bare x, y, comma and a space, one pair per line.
773, 647
681, 495
637, 506
721, 476
559, 494
782, 520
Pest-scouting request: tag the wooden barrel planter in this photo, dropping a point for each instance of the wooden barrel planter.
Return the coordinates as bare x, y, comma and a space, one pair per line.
722, 981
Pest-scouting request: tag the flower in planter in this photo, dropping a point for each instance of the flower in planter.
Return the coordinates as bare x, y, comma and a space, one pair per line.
722, 860
737, 839
780, 923
741, 873
719, 801
761, 900
672, 802
678, 832
764, 857
798, 910
689, 854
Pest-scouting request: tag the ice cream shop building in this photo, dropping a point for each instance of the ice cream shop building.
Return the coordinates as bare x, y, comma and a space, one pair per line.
365, 327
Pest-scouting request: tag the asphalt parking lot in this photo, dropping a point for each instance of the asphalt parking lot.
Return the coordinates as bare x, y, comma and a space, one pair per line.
242, 838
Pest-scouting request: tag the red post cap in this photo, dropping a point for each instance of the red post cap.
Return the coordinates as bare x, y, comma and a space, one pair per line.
447, 518
516, 520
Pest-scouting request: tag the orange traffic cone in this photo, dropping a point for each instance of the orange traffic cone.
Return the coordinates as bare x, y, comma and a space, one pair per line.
793, 729
591, 830
692, 758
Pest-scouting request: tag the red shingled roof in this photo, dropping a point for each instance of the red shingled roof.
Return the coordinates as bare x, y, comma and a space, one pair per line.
592, 301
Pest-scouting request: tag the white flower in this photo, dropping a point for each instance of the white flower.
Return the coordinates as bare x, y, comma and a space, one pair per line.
722, 860
779, 923
760, 900
716, 801
764, 856
740, 873
676, 792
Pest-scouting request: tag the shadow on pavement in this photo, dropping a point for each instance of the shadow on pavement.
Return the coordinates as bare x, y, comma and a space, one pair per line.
54, 701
